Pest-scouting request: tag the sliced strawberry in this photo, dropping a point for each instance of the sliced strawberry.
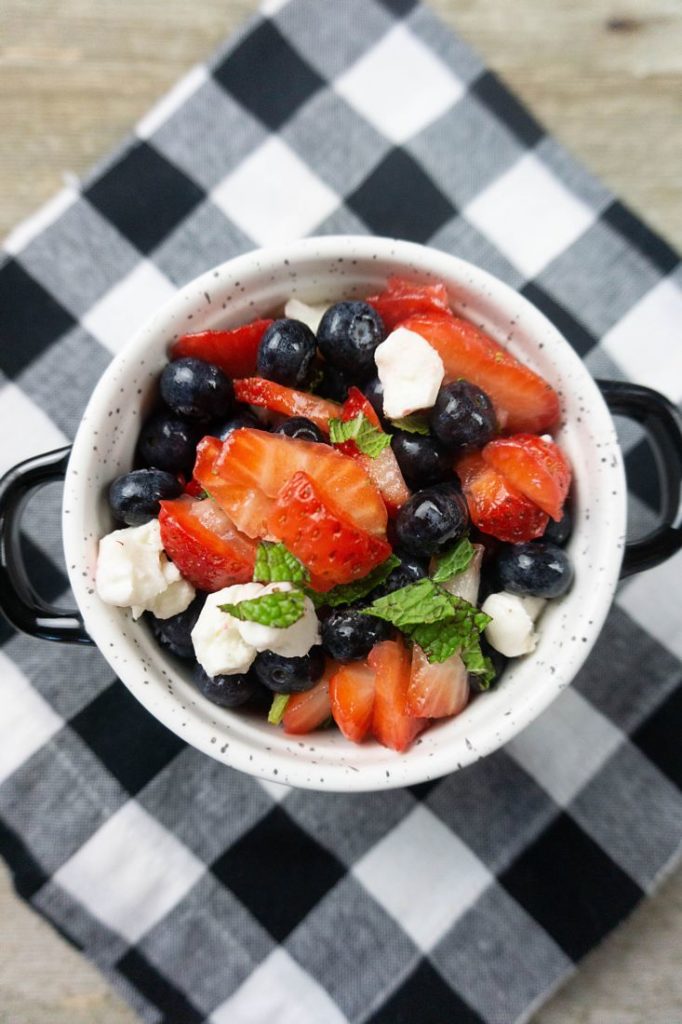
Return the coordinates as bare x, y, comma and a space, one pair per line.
307, 711
255, 459
392, 725
523, 400
537, 468
495, 506
247, 507
384, 471
403, 299
437, 690
352, 698
330, 546
207, 548
278, 398
234, 351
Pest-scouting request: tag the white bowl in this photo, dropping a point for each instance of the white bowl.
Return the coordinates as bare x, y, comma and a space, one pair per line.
325, 270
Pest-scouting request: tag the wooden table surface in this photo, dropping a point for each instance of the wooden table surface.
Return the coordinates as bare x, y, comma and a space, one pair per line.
604, 75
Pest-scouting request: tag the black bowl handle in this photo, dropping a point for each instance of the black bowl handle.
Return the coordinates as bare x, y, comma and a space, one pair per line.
663, 425
18, 599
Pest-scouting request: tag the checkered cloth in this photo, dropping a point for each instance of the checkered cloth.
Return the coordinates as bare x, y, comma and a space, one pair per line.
200, 892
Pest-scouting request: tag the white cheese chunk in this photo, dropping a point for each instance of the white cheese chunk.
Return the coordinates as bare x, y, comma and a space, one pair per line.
225, 645
307, 314
411, 372
511, 630
216, 637
133, 571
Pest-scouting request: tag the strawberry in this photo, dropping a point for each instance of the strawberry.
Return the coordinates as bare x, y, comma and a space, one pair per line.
330, 546
207, 548
307, 711
495, 506
537, 468
392, 725
384, 471
247, 507
436, 690
402, 299
278, 398
255, 459
234, 351
523, 401
351, 690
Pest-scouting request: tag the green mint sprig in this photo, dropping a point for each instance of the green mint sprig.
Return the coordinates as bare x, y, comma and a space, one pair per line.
276, 564
280, 609
453, 561
369, 439
440, 623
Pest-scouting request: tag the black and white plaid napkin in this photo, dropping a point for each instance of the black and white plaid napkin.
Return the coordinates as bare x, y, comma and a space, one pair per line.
204, 894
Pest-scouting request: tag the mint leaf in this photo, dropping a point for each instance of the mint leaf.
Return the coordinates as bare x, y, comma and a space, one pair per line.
347, 593
438, 640
276, 564
414, 605
413, 424
277, 708
453, 561
369, 439
280, 609
479, 665
428, 615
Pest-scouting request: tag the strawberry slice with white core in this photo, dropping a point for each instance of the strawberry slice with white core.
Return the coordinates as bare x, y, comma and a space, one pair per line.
255, 459
278, 398
247, 507
438, 689
332, 548
535, 466
392, 724
352, 699
206, 546
308, 711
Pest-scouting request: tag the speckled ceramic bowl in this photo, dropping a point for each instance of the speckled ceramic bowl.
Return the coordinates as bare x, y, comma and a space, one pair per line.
325, 270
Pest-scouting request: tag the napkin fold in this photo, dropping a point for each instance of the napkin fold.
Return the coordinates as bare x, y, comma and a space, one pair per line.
204, 894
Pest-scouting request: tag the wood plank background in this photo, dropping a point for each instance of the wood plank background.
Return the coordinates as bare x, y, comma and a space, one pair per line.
604, 75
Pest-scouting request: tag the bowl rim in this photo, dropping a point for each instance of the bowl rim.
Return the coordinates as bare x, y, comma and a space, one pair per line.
239, 753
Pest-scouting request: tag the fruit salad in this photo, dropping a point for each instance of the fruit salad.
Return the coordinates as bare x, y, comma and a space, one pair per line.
345, 516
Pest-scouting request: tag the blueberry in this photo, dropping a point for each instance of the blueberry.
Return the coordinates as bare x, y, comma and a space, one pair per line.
410, 570
540, 569
226, 691
174, 633
422, 460
499, 662
463, 416
374, 393
289, 675
134, 497
333, 385
348, 334
169, 442
196, 389
242, 418
558, 533
301, 428
348, 635
286, 352
432, 519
